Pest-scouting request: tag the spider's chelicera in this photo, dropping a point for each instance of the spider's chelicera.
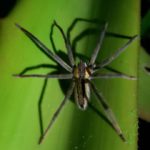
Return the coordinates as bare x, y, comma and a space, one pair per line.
81, 75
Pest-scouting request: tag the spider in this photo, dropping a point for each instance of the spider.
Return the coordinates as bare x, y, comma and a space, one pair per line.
80, 75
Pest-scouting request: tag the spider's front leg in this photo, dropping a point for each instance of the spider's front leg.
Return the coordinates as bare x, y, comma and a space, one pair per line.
67, 44
98, 46
45, 50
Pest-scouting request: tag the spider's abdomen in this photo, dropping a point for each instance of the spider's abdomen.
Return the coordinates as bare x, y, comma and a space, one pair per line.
82, 89
82, 93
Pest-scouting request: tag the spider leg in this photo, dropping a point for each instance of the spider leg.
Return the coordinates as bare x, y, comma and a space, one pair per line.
44, 49
55, 115
108, 60
40, 105
116, 35
75, 21
86, 32
81, 35
109, 114
95, 53
36, 67
94, 31
91, 31
98, 46
51, 38
56, 76
113, 75
67, 44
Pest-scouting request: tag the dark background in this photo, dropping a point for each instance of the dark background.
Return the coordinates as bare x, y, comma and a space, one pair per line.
144, 135
144, 127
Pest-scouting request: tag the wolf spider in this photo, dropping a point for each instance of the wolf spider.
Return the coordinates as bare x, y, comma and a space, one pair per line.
80, 75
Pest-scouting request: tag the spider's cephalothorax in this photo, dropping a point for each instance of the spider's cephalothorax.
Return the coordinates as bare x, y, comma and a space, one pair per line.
81, 76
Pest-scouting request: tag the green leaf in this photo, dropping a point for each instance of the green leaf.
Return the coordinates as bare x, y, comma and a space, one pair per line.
73, 129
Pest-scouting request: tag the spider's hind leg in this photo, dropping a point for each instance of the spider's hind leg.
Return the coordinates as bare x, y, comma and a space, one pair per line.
57, 112
108, 112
